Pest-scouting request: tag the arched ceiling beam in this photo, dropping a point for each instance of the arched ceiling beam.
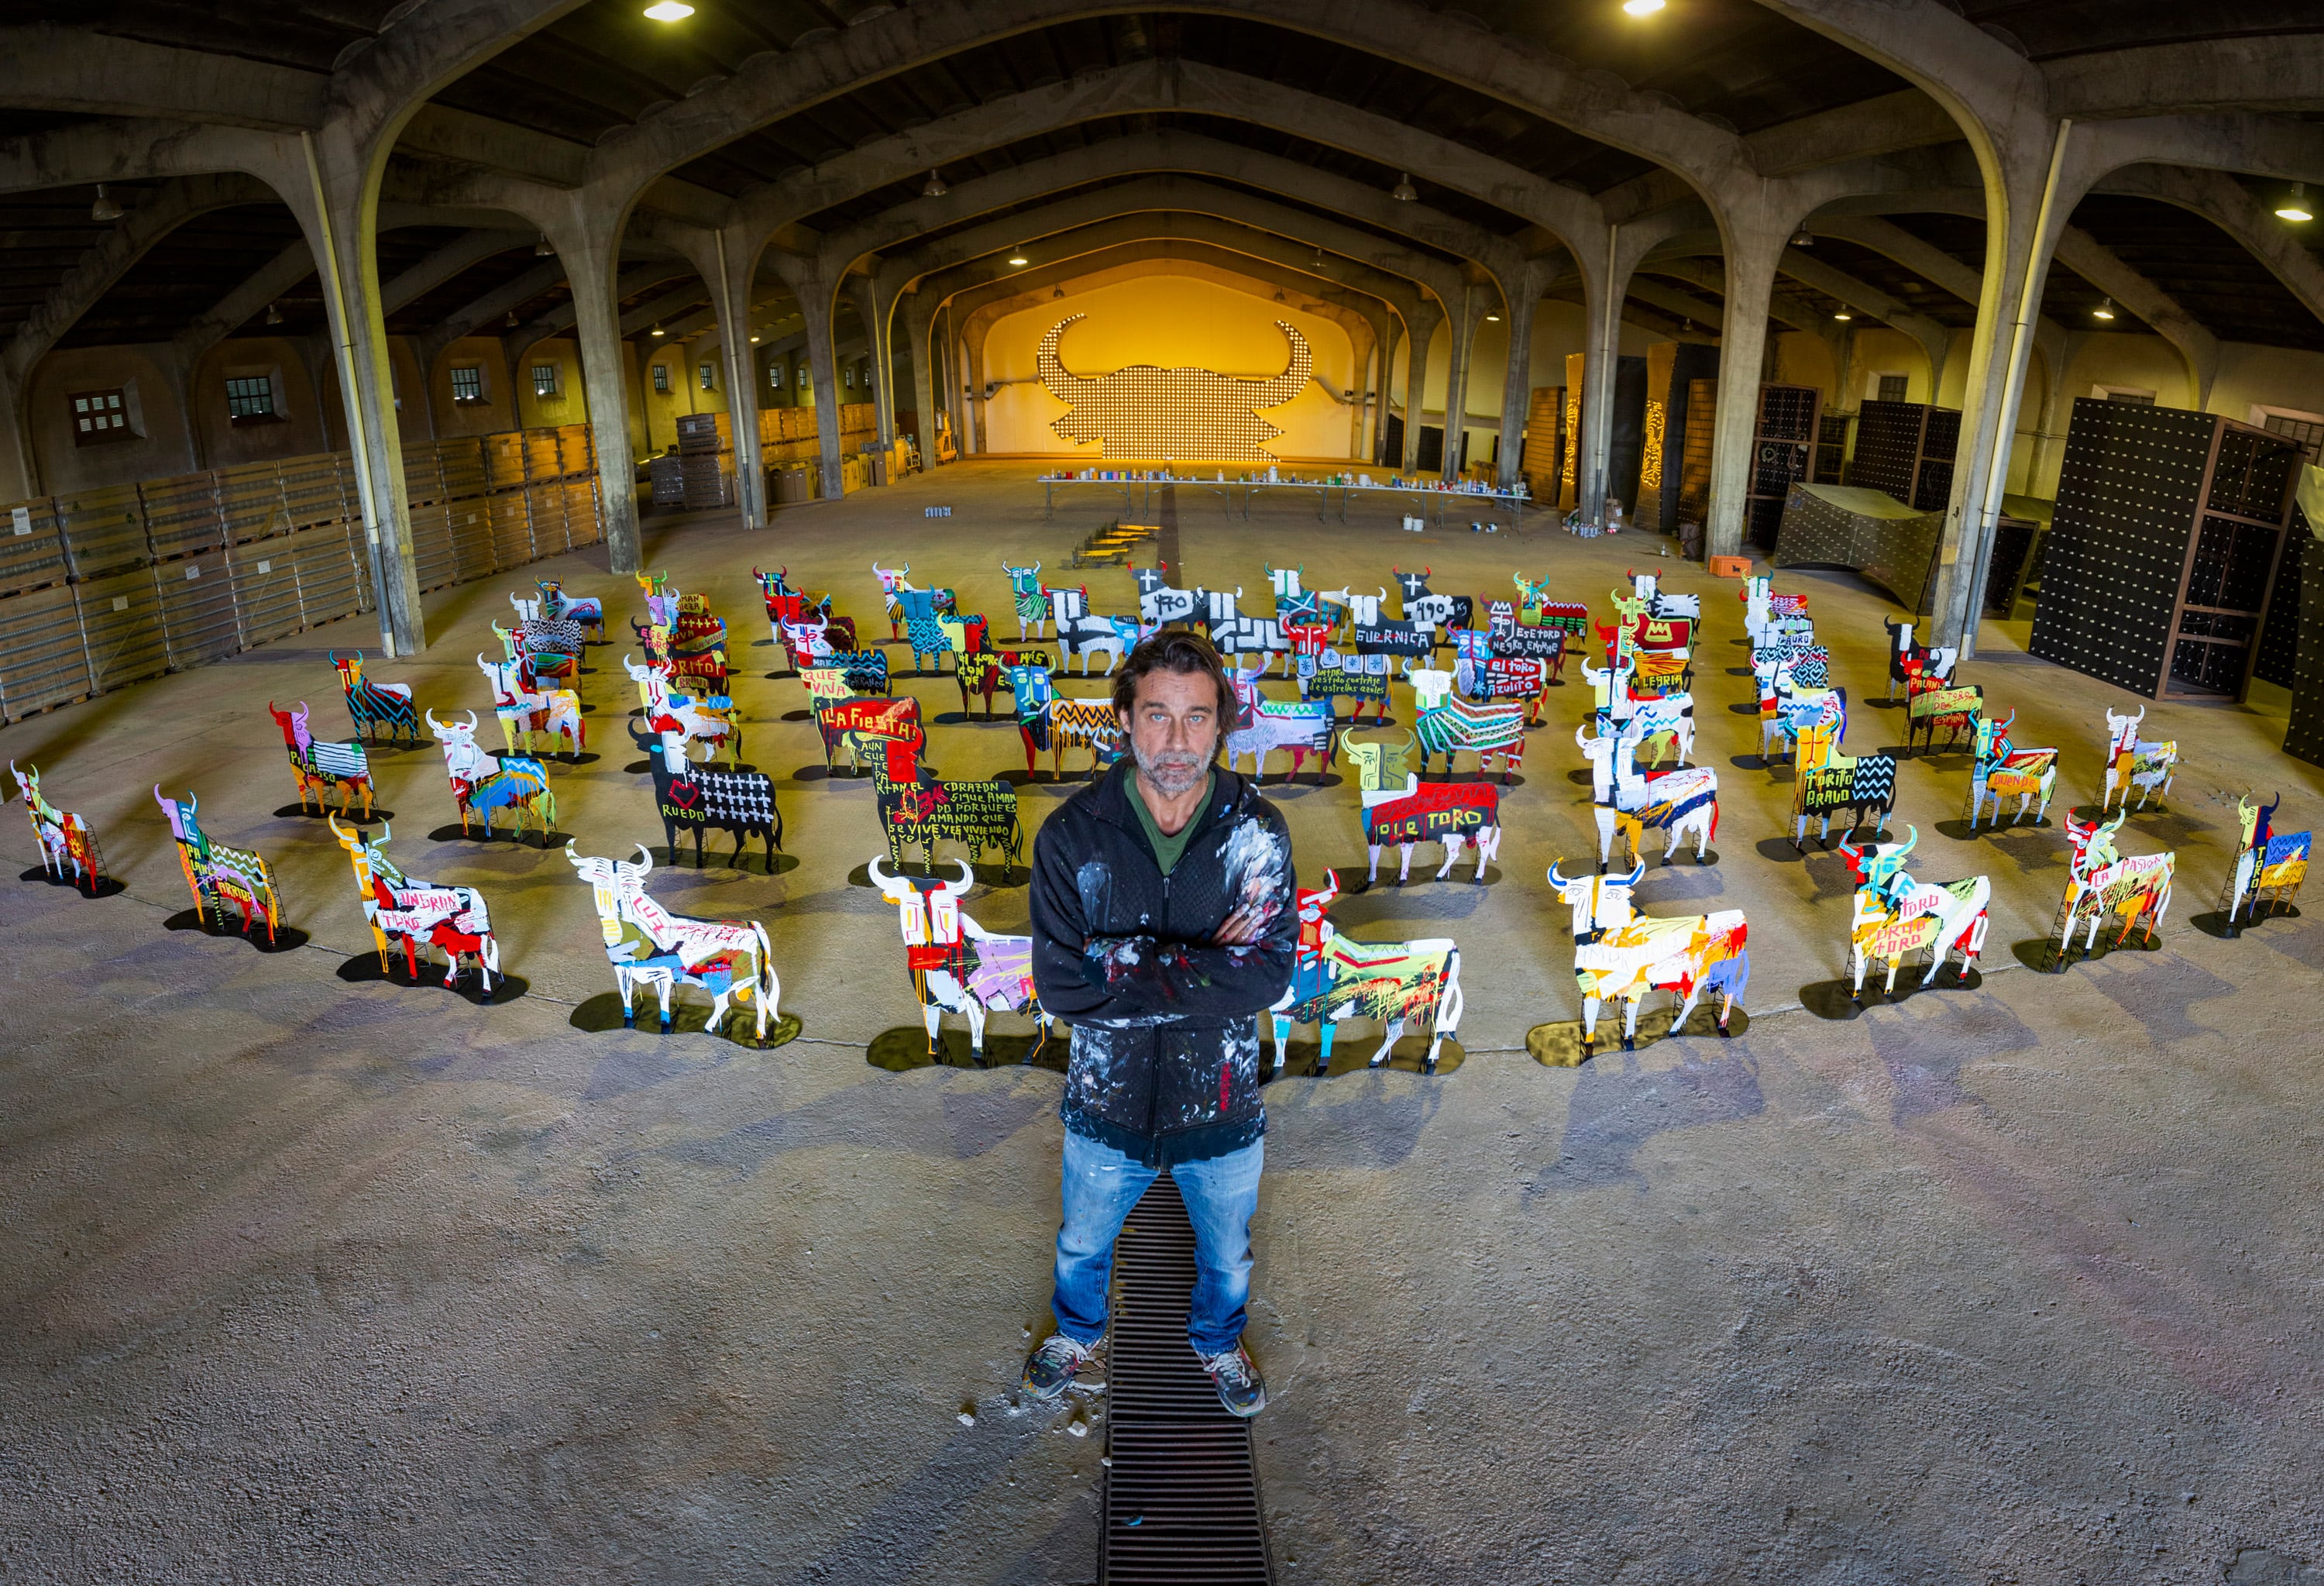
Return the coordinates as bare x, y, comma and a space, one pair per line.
1335, 298
95, 273
2228, 205
1167, 151
1449, 45
132, 150
278, 275
2278, 71
1263, 248
1714, 278
560, 319
2087, 257
463, 253
50, 67
1863, 297
481, 311
1175, 193
1161, 84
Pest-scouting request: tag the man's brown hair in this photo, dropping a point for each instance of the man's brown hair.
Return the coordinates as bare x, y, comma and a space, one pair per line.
1174, 649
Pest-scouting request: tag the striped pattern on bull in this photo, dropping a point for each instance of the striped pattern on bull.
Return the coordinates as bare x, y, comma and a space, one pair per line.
1829, 782
1620, 955
1448, 724
1084, 723
320, 767
1399, 983
401, 911
1261, 726
382, 712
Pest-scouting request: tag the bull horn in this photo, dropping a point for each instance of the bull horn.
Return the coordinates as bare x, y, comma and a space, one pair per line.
1064, 386
570, 852
2001, 728
1556, 879
1579, 741
337, 830
879, 877
1274, 392
472, 721
1637, 874
959, 888
433, 725
1912, 836
645, 856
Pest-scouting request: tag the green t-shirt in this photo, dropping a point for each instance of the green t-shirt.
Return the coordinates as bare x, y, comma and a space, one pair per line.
1169, 849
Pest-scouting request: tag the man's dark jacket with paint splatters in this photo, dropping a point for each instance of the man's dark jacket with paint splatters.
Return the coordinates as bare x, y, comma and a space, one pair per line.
1165, 1034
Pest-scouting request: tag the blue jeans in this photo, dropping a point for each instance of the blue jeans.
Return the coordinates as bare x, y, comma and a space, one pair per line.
1102, 1184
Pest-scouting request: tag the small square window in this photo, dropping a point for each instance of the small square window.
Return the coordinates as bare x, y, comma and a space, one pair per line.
468, 382
851, 377
705, 370
1892, 387
544, 380
775, 376
661, 377
250, 397
802, 375
100, 418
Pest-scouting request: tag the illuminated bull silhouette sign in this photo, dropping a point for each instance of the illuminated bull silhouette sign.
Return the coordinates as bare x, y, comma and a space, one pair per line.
1143, 410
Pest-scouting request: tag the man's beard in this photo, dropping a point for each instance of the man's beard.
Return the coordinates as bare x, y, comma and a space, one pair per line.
1173, 773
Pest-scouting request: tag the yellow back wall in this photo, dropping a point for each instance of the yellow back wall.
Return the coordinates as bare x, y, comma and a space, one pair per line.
1167, 320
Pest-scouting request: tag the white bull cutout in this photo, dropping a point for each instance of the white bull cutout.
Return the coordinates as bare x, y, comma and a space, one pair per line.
957, 966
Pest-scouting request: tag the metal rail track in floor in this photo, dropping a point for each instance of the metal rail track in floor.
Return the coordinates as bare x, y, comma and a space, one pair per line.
1182, 1490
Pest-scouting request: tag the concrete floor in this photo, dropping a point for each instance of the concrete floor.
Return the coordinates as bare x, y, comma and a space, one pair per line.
339, 1282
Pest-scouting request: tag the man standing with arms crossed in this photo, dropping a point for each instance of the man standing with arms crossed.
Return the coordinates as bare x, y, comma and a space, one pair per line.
1162, 927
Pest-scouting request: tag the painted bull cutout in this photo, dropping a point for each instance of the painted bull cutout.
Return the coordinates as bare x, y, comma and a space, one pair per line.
956, 966
1144, 410
1619, 955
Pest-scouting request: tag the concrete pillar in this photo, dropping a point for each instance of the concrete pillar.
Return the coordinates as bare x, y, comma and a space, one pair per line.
1516, 379
1395, 336
816, 301
972, 355
1415, 379
1756, 237
1605, 283
925, 378
19, 480
729, 280
590, 261
2026, 213
879, 336
1464, 321
337, 209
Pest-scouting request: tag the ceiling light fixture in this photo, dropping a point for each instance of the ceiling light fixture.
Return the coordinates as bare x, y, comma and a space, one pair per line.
1057, 291
274, 313
1642, 7
1842, 314
657, 330
1018, 260
754, 341
2105, 311
542, 250
2295, 208
511, 321
106, 206
936, 187
1802, 238
1492, 318
1404, 192
669, 10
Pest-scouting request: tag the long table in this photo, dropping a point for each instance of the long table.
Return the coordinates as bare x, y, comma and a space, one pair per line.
1138, 494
